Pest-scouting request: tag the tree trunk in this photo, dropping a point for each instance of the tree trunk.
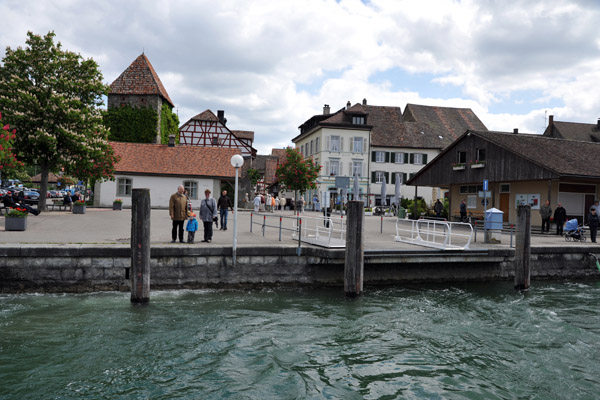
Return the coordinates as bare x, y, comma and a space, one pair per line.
43, 188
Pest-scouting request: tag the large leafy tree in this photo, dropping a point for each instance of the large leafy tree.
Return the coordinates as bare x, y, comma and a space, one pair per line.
8, 159
52, 97
296, 172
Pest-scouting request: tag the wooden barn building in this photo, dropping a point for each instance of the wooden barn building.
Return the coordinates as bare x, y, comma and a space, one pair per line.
520, 169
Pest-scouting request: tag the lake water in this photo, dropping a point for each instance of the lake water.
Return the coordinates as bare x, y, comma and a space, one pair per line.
476, 341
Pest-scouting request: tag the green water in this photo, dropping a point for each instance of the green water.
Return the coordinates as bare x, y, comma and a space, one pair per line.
481, 341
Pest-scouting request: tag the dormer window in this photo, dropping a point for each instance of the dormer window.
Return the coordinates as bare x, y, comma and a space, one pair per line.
358, 120
215, 140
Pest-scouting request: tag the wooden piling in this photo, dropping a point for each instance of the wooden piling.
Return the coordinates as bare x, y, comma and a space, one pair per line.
354, 264
140, 246
523, 248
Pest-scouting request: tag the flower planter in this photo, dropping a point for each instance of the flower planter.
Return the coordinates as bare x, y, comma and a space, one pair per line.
15, 224
368, 213
477, 165
458, 167
78, 209
117, 206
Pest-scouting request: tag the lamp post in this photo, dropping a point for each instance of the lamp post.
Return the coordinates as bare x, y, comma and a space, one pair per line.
236, 161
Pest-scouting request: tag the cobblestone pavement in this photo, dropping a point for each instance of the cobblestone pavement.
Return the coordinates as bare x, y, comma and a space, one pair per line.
105, 226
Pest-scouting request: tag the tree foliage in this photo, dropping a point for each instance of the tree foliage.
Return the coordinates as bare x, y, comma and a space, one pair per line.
8, 159
131, 124
52, 97
169, 124
296, 172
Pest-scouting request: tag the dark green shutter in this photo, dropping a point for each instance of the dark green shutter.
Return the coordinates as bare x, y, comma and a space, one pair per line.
405, 158
404, 177
387, 177
373, 156
412, 158
387, 156
373, 176
393, 178
392, 157
424, 158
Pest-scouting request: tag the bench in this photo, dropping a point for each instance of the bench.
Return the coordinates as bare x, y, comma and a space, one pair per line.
3, 209
60, 204
472, 214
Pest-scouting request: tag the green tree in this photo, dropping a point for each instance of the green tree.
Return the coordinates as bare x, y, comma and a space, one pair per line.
254, 176
297, 173
8, 160
169, 124
52, 97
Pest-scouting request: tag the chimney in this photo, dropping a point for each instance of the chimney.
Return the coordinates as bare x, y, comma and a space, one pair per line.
171, 140
348, 105
551, 120
598, 126
364, 102
221, 116
516, 131
326, 109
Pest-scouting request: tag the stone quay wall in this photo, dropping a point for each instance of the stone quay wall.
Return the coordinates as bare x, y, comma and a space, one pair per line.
85, 268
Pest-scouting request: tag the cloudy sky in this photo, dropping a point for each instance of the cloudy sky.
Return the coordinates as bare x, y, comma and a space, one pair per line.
272, 64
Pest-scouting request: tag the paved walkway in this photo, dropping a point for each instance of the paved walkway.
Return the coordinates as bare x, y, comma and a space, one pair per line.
105, 226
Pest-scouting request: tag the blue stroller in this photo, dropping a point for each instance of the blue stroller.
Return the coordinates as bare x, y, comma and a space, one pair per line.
573, 231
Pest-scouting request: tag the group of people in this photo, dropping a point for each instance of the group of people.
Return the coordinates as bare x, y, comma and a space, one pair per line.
271, 203
560, 217
180, 211
16, 200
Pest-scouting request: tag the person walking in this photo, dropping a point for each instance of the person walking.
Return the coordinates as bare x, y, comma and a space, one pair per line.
224, 204
178, 213
463, 211
593, 222
191, 227
301, 205
283, 201
438, 207
273, 203
546, 213
257, 203
208, 214
560, 217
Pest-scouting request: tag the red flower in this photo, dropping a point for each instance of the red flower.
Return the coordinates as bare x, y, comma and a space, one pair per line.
6, 127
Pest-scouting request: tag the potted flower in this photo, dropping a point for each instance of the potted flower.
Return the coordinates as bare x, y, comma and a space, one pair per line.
118, 204
368, 211
79, 207
458, 166
478, 164
16, 220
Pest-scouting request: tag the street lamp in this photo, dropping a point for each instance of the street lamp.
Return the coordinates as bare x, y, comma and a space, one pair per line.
236, 161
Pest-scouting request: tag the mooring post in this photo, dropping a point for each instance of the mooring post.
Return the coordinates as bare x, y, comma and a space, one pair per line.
523, 248
140, 246
354, 265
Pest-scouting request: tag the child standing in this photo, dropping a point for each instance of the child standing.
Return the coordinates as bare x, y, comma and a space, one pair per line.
191, 227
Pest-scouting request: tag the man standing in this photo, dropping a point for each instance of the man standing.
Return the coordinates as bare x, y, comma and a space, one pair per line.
208, 212
224, 204
593, 222
463, 211
438, 208
546, 213
560, 217
178, 213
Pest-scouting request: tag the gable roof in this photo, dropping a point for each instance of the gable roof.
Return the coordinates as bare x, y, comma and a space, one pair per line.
160, 159
206, 115
444, 121
140, 78
573, 131
244, 134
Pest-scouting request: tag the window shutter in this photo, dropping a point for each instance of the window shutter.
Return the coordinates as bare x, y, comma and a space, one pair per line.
424, 158
405, 159
387, 177
392, 157
364, 170
387, 156
412, 158
364, 145
327, 168
393, 178
373, 156
328, 144
341, 144
373, 177
404, 177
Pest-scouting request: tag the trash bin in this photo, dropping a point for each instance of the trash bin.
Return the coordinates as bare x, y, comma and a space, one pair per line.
493, 225
401, 212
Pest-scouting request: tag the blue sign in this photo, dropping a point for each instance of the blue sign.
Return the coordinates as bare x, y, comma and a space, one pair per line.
485, 185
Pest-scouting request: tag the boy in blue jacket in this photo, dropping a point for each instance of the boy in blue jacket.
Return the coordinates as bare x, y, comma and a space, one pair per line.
191, 227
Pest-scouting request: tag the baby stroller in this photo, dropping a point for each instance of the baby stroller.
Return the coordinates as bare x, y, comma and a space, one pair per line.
573, 231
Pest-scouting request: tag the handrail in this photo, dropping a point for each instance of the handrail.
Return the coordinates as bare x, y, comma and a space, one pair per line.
322, 231
431, 233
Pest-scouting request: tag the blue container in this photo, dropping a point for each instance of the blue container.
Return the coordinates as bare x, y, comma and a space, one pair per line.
493, 219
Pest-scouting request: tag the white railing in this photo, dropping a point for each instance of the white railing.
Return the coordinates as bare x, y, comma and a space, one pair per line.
321, 231
439, 234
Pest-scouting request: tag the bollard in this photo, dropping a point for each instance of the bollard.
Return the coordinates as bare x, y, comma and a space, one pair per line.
280, 228
354, 264
140, 246
264, 223
381, 227
523, 248
250, 222
299, 250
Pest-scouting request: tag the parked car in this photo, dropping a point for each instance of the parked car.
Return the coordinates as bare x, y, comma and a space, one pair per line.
31, 197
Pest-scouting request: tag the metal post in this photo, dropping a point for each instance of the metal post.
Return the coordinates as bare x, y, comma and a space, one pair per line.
299, 252
381, 227
251, 222
264, 223
235, 217
280, 228
140, 246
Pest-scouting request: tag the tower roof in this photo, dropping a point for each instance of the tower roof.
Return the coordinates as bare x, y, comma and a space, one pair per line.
140, 78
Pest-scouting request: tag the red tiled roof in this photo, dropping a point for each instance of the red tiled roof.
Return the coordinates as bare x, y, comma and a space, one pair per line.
444, 121
205, 115
160, 159
573, 131
244, 134
140, 78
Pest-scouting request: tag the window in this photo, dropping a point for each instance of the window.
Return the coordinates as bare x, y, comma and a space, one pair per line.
461, 157
335, 143
192, 189
480, 155
311, 147
334, 167
316, 145
471, 189
124, 187
400, 158
357, 168
418, 158
379, 176
358, 120
215, 140
357, 146
505, 188
380, 156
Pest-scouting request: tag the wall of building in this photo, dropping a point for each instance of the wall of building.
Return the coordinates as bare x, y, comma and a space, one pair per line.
138, 101
79, 268
161, 189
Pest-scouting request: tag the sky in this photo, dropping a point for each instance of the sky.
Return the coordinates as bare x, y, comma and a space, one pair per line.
273, 64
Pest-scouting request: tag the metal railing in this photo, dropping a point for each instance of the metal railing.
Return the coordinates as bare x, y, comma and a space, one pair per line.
322, 231
431, 233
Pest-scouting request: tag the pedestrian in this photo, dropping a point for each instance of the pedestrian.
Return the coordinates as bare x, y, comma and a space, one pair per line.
277, 203
68, 202
262, 202
546, 213
224, 204
282, 202
438, 207
463, 211
191, 227
273, 203
178, 213
257, 203
595, 205
301, 205
246, 200
593, 222
208, 215
560, 217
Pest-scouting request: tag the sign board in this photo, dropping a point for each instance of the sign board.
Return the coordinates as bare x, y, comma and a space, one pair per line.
484, 194
485, 202
342, 181
485, 185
